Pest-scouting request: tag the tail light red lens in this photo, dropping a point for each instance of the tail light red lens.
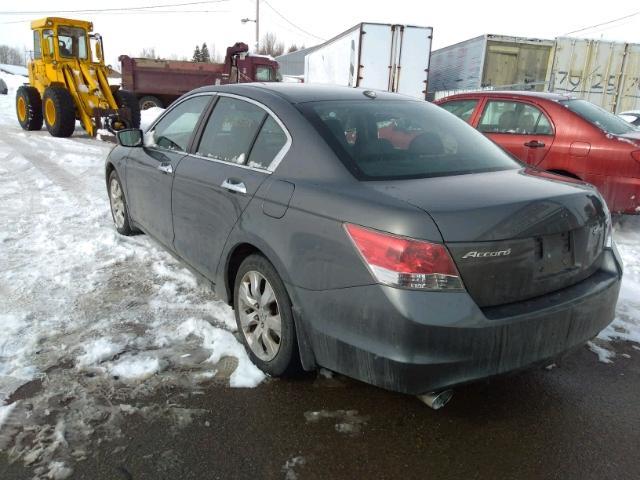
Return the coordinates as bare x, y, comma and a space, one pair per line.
405, 262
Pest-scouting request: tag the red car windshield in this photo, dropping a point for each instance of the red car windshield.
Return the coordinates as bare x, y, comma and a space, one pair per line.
599, 117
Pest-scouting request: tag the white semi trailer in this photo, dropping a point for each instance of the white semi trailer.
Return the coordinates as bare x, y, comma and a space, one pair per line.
374, 55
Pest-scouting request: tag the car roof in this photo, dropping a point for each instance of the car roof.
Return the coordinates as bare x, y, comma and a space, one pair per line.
630, 112
511, 94
304, 92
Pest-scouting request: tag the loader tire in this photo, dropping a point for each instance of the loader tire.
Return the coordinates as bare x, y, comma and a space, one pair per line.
149, 101
126, 99
29, 108
59, 112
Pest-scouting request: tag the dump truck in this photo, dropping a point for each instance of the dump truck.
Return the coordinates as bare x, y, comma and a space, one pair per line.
68, 82
157, 82
374, 55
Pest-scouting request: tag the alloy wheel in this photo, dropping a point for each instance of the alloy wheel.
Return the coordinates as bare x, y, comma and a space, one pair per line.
117, 202
259, 314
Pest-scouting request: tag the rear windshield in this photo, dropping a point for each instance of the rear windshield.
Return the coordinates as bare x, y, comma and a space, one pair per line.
599, 117
397, 139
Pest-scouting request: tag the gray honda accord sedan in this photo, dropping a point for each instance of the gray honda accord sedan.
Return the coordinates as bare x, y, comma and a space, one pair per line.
368, 233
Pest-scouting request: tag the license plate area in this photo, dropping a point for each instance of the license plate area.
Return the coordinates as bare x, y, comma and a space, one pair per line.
555, 254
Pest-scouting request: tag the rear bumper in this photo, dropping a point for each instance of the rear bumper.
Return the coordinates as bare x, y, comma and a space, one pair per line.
622, 193
416, 342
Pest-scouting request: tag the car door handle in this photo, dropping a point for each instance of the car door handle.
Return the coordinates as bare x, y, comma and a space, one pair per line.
165, 168
534, 144
234, 185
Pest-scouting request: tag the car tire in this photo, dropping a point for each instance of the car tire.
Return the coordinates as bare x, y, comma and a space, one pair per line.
258, 322
149, 101
119, 208
29, 108
59, 112
126, 99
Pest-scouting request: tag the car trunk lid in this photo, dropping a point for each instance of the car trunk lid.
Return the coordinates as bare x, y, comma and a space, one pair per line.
514, 234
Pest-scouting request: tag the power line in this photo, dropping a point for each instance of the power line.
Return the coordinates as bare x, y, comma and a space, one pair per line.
291, 23
46, 12
146, 12
603, 23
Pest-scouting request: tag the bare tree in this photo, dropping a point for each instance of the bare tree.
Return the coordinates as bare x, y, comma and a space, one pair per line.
216, 56
292, 48
148, 52
270, 45
11, 55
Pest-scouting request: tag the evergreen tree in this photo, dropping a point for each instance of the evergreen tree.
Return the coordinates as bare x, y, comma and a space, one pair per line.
204, 54
197, 56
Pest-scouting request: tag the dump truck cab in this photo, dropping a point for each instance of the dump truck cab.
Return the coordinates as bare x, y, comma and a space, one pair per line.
69, 75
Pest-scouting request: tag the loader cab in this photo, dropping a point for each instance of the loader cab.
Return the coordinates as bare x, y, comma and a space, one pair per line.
62, 40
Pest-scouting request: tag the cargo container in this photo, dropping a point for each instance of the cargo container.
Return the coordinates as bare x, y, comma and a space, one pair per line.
377, 56
603, 72
490, 61
157, 83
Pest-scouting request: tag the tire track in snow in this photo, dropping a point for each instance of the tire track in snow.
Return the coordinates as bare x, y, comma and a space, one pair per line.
69, 183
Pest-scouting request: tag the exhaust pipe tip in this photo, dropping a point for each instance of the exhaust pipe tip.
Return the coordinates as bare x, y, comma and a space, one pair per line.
436, 400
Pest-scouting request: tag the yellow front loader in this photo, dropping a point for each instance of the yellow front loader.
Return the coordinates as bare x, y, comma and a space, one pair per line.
68, 82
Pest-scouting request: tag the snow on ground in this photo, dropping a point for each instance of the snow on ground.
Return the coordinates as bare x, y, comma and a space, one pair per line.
91, 321
626, 326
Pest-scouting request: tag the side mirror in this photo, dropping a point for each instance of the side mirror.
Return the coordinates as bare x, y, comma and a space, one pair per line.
130, 137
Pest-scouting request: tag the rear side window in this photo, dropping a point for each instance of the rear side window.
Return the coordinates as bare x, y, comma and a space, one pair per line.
396, 139
263, 74
461, 108
270, 141
231, 130
174, 130
598, 117
514, 117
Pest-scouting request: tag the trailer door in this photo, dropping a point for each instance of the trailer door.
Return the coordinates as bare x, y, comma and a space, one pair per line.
412, 69
376, 54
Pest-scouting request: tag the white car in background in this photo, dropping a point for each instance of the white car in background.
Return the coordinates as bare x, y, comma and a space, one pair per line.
633, 117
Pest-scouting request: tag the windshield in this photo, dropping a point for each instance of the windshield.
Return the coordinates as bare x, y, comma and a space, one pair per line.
599, 117
72, 42
397, 139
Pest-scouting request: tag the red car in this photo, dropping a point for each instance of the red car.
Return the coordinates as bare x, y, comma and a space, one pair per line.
560, 134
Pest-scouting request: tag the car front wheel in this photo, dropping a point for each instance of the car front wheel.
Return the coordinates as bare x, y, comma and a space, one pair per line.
264, 317
119, 211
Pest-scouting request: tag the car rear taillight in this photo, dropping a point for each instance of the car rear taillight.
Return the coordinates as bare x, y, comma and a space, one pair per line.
636, 155
404, 262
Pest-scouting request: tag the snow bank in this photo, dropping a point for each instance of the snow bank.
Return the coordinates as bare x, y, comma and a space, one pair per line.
148, 116
13, 82
626, 326
14, 70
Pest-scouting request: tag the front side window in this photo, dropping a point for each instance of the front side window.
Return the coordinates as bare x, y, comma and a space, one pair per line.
47, 37
599, 117
514, 117
72, 42
37, 50
175, 129
263, 74
397, 139
461, 108
231, 130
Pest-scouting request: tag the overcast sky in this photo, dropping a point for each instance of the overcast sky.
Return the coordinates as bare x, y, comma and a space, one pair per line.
218, 21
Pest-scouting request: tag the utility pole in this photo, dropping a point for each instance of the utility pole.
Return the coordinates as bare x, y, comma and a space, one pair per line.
257, 25
257, 20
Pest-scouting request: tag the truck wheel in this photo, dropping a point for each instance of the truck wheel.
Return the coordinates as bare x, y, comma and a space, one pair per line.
59, 112
149, 101
29, 108
126, 99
